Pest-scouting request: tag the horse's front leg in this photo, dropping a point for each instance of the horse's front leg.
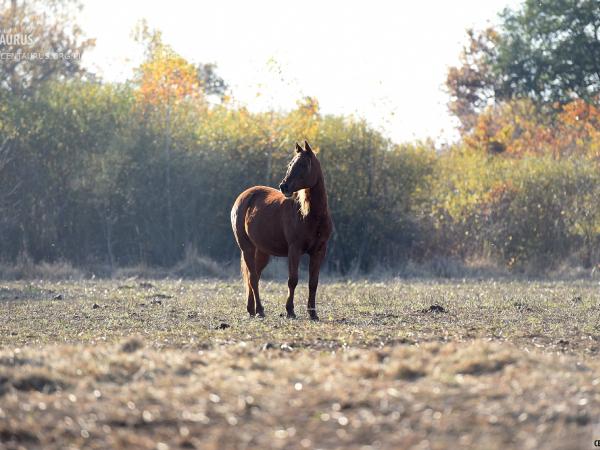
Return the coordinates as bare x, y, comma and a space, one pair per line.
293, 261
313, 280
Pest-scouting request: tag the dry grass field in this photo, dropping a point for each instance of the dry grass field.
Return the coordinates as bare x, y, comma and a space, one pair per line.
402, 364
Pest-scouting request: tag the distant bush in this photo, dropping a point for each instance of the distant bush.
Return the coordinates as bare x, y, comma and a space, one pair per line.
25, 269
527, 213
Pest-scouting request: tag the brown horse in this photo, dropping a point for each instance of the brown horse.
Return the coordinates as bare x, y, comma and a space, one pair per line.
267, 222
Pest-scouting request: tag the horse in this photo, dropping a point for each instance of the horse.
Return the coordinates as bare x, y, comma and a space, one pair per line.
291, 221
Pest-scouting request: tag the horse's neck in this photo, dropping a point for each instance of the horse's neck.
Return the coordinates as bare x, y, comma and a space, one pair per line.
317, 199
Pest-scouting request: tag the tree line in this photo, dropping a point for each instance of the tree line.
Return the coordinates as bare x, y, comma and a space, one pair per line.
142, 172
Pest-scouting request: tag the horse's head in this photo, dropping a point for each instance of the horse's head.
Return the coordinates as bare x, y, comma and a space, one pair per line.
302, 173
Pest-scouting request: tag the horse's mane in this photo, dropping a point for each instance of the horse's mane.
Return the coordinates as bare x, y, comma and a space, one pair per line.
302, 197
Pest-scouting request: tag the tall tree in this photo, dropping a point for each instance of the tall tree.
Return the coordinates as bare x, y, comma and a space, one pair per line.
546, 50
550, 50
473, 85
40, 41
167, 84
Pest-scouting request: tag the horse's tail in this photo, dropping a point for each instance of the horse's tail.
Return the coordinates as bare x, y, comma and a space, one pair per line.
238, 220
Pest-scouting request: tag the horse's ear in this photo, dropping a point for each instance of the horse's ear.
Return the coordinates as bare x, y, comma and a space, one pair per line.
298, 148
307, 146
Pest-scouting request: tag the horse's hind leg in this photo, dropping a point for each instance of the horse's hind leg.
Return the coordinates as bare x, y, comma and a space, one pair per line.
260, 261
249, 255
246, 275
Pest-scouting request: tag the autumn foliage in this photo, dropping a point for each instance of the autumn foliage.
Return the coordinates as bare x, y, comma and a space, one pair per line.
520, 128
145, 172
166, 79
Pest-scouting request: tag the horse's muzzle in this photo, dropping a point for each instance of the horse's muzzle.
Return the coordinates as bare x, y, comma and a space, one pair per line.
284, 188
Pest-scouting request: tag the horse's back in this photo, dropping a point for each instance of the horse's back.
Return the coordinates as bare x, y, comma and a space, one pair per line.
261, 196
257, 216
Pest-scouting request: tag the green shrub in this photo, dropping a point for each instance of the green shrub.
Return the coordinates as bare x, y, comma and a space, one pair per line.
527, 213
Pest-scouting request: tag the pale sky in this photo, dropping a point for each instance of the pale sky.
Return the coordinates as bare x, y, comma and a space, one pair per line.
385, 61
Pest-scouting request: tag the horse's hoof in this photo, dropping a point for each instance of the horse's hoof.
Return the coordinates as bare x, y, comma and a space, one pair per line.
260, 314
291, 315
313, 316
